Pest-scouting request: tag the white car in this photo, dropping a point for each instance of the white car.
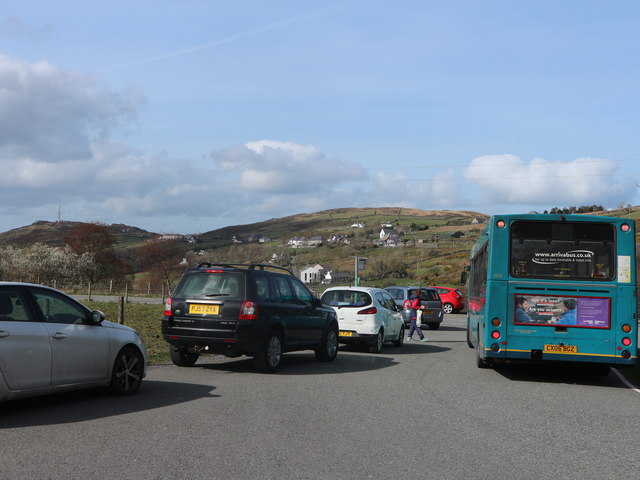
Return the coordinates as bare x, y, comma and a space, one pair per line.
50, 343
366, 315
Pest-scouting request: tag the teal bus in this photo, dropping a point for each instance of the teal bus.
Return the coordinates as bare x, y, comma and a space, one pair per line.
554, 288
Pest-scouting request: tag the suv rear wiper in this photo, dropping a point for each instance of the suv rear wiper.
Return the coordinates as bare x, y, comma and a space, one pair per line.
217, 294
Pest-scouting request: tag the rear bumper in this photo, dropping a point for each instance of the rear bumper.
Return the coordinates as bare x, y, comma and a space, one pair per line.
538, 356
229, 346
356, 337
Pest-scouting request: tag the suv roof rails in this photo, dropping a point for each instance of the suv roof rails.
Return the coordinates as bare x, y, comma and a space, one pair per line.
248, 266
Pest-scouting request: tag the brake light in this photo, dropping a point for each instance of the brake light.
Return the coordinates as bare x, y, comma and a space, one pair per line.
167, 307
248, 311
495, 334
368, 311
210, 270
626, 341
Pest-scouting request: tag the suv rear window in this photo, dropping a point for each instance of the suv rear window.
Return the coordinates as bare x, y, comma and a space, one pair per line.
211, 285
346, 298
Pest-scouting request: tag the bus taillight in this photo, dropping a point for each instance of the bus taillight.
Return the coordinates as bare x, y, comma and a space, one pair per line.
625, 227
626, 354
626, 328
496, 323
495, 334
626, 341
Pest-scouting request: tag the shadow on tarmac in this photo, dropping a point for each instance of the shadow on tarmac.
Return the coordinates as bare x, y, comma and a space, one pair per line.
84, 405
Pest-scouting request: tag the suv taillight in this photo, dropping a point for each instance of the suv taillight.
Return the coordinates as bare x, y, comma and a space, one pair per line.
167, 307
248, 311
368, 311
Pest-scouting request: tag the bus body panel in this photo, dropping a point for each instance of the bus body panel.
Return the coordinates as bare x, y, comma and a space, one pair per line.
602, 307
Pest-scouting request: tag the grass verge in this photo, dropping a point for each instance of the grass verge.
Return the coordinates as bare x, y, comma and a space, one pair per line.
146, 319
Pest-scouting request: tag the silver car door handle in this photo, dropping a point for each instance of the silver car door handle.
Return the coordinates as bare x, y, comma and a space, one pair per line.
59, 335
4, 333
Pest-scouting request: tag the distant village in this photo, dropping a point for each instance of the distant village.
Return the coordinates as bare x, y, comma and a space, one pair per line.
389, 236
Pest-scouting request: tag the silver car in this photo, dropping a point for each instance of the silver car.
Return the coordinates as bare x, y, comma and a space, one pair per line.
49, 343
432, 315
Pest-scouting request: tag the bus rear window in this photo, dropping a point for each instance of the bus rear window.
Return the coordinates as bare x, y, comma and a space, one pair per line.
563, 250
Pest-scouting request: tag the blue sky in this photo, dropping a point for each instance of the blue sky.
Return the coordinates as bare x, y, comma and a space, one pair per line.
189, 116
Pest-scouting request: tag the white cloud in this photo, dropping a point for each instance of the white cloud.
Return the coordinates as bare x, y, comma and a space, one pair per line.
55, 149
285, 168
51, 114
506, 179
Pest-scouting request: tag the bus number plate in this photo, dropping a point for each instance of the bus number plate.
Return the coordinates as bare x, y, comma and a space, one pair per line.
197, 309
560, 349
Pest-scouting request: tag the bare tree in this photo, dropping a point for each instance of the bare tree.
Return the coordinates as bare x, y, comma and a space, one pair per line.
162, 259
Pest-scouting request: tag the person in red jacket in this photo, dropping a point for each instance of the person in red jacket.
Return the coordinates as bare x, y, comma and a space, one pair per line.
415, 305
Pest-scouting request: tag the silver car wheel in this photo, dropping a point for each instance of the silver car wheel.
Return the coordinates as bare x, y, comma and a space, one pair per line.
127, 371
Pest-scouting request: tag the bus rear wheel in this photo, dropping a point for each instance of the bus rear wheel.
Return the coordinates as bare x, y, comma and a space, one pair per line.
481, 362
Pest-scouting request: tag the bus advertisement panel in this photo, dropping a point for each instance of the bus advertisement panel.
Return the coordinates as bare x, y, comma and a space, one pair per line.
586, 312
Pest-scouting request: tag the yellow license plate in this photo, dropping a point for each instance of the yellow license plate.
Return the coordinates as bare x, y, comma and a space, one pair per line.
197, 309
343, 333
560, 349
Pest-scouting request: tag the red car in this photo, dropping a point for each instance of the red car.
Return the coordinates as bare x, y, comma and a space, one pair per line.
452, 299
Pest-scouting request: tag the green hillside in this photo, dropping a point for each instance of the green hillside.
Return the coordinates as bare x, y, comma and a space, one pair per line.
432, 247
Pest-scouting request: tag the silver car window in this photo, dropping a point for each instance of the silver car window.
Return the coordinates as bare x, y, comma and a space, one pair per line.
57, 309
12, 306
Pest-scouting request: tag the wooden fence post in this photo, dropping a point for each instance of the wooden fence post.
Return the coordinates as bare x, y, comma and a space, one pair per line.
121, 310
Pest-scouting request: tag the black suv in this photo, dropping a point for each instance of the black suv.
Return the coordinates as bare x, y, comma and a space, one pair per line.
240, 309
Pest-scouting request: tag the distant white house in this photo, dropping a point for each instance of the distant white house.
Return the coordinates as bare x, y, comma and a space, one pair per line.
340, 239
357, 225
171, 236
297, 242
258, 238
314, 242
389, 241
313, 274
387, 232
277, 258
336, 277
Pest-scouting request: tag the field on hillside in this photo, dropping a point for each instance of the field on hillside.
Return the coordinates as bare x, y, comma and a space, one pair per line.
431, 247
